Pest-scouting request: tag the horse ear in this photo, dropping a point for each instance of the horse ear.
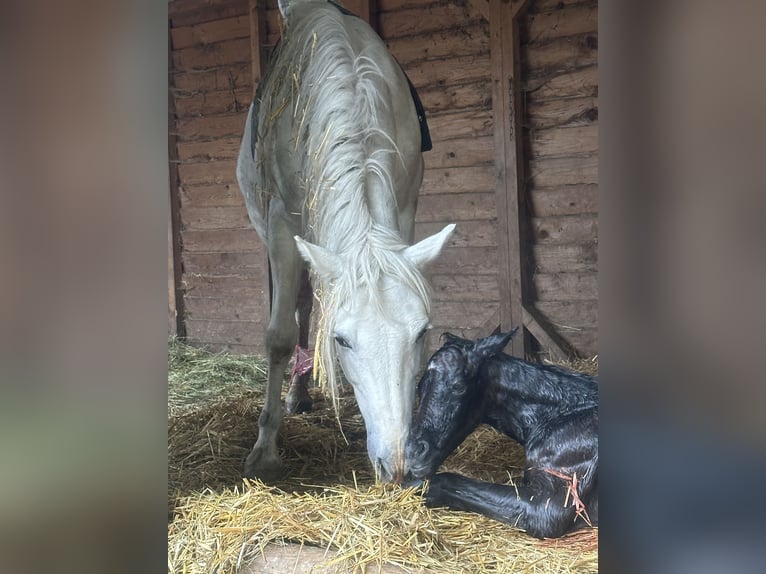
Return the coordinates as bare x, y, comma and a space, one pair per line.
428, 249
493, 345
324, 262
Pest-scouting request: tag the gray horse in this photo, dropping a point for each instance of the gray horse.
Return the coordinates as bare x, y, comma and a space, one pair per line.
330, 166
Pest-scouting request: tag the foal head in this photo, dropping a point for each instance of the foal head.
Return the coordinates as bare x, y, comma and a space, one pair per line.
452, 400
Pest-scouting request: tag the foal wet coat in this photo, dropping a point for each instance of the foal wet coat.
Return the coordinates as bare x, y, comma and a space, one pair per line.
552, 412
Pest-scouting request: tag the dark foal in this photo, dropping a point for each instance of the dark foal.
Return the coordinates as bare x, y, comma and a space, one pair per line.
550, 411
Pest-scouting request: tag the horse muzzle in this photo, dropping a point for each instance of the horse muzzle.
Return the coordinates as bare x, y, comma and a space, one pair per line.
396, 472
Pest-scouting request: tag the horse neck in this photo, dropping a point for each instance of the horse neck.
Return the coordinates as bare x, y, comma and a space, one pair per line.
356, 211
381, 203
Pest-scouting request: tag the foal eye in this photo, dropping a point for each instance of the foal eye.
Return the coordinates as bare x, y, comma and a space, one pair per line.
457, 386
342, 342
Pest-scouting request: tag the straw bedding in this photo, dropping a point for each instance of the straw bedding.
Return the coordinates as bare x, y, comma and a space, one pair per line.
218, 523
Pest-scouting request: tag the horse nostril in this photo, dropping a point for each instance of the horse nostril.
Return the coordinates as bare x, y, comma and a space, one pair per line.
380, 470
386, 474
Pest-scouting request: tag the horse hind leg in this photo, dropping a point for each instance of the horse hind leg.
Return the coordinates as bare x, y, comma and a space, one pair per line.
298, 399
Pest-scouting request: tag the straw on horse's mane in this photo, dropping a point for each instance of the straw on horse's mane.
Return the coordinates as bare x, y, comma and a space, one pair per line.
342, 119
363, 268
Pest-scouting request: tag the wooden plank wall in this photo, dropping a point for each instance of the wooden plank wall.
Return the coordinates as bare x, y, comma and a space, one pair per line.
224, 276
444, 48
560, 88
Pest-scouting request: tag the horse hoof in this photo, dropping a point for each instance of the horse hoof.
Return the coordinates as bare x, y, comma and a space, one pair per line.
263, 467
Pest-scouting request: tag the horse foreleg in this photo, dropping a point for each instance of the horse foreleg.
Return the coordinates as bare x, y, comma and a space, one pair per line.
263, 461
542, 510
298, 399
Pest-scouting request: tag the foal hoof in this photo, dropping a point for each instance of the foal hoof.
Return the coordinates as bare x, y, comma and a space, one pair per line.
434, 495
296, 406
298, 399
266, 468
416, 483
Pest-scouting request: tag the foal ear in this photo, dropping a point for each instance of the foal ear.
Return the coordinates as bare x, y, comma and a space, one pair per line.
428, 249
324, 262
455, 341
493, 345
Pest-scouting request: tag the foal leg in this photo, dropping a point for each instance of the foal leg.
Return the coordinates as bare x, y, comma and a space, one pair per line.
563, 472
298, 399
263, 461
538, 510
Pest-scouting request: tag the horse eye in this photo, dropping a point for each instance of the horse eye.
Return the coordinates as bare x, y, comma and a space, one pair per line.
342, 342
422, 333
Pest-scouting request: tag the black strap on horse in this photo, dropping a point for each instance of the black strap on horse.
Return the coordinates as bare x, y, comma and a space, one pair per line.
425, 135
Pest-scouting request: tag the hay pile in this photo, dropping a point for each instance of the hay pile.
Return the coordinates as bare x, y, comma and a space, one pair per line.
198, 378
328, 499
374, 525
587, 365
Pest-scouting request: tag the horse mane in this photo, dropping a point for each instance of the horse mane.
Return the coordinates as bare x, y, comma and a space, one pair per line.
340, 108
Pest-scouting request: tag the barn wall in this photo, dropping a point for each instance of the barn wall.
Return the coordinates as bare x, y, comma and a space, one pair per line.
445, 49
224, 273
444, 46
559, 47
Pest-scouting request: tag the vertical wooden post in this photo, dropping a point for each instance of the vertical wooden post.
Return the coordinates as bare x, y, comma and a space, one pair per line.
366, 9
176, 324
257, 33
504, 44
172, 309
510, 184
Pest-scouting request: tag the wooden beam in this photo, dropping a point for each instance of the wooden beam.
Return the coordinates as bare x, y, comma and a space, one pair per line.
176, 325
504, 50
509, 187
257, 37
554, 346
172, 305
516, 7
367, 10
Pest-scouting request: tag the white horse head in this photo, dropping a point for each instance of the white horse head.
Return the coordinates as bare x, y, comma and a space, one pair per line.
375, 322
